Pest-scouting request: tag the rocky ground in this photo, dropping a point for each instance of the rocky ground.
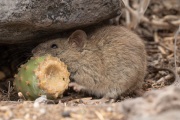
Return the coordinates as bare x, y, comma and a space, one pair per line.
158, 27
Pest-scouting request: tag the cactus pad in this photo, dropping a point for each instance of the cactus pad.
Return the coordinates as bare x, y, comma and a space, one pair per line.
44, 75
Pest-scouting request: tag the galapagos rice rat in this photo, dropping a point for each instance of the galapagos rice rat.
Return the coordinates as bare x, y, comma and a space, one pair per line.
106, 63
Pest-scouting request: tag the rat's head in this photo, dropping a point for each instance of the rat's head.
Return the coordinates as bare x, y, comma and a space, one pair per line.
62, 47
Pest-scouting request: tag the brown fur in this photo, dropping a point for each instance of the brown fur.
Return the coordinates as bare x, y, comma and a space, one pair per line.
106, 63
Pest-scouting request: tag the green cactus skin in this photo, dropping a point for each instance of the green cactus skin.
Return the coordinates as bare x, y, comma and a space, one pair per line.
44, 75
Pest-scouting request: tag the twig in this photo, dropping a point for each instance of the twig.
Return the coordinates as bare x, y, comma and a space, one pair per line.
177, 80
161, 49
170, 38
142, 8
165, 47
160, 23
99, 115
137, 14
156, 39
170, 18
10, 89
127, 13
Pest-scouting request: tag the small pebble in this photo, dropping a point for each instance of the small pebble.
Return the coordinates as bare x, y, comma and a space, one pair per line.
42, 111
66, 114
109, 109
27, 116
34, 117
41, 99
81, 101
36, 105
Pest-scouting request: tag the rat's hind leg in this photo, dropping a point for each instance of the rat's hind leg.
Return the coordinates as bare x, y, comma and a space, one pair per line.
105, 99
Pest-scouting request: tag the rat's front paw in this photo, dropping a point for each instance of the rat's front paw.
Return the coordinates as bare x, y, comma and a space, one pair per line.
76, 87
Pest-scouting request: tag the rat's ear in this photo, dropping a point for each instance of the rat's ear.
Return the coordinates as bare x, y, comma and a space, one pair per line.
78, 38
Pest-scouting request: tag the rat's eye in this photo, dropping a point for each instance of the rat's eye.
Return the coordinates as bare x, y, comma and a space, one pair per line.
54, 46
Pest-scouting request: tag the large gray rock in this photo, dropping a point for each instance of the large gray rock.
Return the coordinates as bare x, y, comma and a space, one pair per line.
28, 20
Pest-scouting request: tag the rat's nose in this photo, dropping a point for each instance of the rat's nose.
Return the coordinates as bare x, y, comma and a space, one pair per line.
34, 51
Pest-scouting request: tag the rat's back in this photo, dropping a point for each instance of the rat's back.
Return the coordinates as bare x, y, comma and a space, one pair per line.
124, 60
